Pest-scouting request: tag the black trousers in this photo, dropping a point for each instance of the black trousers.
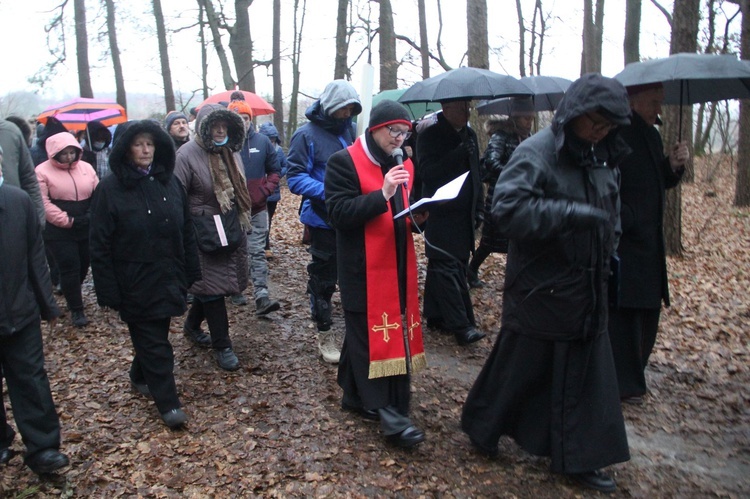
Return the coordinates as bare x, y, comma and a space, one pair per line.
271, 207
214, 310
153, 362
322, 274
6, 432
22, 363
446, 295
632, 332
72, 259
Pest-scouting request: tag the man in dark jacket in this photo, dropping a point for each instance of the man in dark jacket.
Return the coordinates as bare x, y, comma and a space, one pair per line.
646, 174
446, 150
18, 166
550, 381
177, 126
329, 130
262, 172
25, 295
95, 145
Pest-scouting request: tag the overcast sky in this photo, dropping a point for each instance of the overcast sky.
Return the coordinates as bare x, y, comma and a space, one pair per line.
24, 43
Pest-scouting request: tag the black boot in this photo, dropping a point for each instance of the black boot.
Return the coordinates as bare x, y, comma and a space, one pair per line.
473, 278
192, 327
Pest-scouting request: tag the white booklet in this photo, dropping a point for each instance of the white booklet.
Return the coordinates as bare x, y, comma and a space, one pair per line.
444, 193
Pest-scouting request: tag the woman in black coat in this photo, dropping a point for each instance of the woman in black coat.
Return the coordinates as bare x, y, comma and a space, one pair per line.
144, 255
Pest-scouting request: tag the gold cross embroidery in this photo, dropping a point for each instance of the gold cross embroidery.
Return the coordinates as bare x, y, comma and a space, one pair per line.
385, 327
412, 326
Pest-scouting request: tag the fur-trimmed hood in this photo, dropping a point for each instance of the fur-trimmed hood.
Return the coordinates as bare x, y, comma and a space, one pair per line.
164, 155
210, 114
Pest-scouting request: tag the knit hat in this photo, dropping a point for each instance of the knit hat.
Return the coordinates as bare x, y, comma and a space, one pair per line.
521, 106
171, 117
636, 89
240, 107
388, 112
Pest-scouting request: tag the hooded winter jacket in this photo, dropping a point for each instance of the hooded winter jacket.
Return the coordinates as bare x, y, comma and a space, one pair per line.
66, 190
262, 169
95, 153
269, 130
313, 143
143, 250
558, 259
222, 274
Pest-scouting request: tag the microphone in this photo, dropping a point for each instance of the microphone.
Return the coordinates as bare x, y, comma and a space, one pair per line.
398, 153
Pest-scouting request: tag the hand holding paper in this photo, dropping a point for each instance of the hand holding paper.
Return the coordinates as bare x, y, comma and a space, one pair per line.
444, 193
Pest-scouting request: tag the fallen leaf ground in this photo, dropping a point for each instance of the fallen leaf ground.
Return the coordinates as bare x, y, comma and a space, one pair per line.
274, 428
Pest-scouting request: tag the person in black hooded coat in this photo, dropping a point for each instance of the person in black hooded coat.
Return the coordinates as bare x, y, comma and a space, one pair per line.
550, 380
144, 255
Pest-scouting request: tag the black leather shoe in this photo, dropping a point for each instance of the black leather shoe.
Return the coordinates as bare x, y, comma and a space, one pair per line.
265, 305
47, 461
141, 388
226, 359
6, 454
368, 414
470, 336
408, 438
597, 480
197, 336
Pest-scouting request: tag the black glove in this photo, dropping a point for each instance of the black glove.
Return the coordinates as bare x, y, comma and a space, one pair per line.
585, 216
81, 221
469, 147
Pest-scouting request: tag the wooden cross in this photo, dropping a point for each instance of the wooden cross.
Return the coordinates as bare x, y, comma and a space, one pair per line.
412, 326
385, 327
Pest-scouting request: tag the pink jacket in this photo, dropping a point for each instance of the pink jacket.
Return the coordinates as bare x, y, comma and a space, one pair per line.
64, 182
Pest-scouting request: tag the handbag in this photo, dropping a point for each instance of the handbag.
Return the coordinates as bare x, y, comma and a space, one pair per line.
220, 233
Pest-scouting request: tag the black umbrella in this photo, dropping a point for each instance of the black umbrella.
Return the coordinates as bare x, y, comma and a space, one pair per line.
547, 91
465, 84
692, 78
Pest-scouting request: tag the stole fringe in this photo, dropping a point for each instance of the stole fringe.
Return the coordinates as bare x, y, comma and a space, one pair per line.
396, 367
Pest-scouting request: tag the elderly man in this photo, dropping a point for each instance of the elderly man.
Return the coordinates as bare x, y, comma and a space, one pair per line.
329, 130
646, 174
25, 295
365, 186
446, 150
176, 124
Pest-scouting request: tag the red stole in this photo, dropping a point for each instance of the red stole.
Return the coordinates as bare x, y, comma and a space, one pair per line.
384, 321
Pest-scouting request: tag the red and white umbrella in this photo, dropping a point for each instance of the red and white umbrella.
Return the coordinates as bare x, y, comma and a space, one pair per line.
256, 103
76, 113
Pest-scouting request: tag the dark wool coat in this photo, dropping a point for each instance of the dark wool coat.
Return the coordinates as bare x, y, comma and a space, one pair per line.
143, 250
645, 174
441, 158
25, 287
550, 381
222, 273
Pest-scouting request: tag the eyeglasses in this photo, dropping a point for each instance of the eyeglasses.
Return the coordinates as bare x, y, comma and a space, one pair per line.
398, 133
600, 125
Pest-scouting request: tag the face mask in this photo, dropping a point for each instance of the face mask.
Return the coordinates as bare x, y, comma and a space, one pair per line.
99, 145
223, 142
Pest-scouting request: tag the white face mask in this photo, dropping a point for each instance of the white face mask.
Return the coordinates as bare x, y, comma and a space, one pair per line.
99, 145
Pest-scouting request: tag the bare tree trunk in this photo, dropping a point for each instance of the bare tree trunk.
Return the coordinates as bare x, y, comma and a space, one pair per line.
479, 47
82, 49
115, 51
213, 24
387, 39
278, 96
591, 56
684, 39
537, 64
299, 24
166, 72
521, 40
204, 52
632, 40
341, 67
424, 47
742, 185
241, 45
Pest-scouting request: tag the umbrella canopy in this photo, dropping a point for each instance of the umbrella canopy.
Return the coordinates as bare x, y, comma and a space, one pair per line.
465, 84
548, 92
257, 103
417, 109
76, 113
692, 78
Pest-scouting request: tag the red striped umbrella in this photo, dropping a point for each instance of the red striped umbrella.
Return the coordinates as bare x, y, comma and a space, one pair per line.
76, 113
257, 103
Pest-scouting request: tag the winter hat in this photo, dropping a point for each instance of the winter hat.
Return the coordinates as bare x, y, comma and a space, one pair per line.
389, 112
241, 107
636, 89
269, 130
171, 117
522, 106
